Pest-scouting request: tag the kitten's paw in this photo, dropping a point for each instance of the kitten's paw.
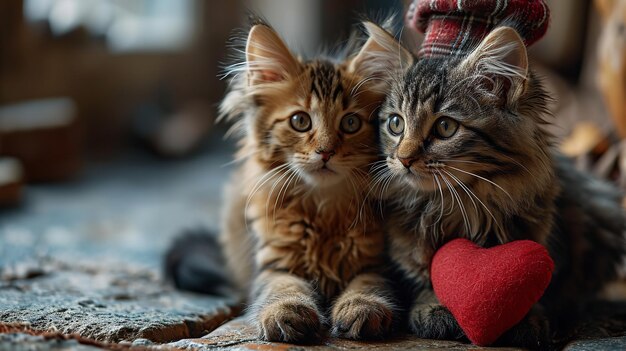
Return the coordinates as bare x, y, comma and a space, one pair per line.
434, 321
362, 317
533, 332
290, 321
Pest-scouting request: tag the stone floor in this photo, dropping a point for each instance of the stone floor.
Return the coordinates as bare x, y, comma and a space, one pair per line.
80, 265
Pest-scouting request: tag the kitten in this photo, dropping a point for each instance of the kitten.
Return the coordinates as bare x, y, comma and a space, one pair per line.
299, 233
468, 156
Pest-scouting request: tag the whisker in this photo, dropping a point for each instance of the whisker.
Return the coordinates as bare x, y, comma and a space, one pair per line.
458, 198
375, 181
358, 216
482, 178
451, 194
282, 193
480, 201
240, 158
384, 190
462, 161
517, 163
440, 193
478, 163
259, 184
271, 192
463, 186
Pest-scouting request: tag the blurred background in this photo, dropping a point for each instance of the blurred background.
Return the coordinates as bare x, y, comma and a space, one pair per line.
108, 145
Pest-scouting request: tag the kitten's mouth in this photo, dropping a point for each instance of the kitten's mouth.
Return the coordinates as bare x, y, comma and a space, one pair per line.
323, 176
324, 170
420, 181
413, 174
414, 179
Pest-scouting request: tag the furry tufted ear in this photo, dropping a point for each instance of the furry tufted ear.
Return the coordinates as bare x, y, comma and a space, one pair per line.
267, 57
381, 54
502, 60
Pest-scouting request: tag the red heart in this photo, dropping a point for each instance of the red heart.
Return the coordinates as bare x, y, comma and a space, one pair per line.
490, 290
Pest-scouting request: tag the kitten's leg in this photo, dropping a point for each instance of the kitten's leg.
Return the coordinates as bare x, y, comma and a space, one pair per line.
364, 310
532, 332
285, 308
428, 319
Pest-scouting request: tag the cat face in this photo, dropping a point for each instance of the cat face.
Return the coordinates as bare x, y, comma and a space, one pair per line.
314, 118
318, 123
455, 122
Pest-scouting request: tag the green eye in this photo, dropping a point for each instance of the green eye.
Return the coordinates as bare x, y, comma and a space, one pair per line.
396, 125
445, 127
350, 123
300, 122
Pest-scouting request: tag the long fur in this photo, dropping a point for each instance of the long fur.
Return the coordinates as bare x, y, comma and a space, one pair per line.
497, 179
298, 239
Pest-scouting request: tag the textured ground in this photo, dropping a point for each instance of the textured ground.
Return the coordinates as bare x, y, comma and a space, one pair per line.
80, 265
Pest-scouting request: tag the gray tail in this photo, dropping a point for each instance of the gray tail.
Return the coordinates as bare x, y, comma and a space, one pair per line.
194, 262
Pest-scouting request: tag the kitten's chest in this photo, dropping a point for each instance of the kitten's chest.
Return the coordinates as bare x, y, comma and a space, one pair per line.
415, 236
327, 246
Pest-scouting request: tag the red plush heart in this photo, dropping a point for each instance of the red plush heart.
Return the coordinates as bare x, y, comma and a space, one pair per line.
490, 290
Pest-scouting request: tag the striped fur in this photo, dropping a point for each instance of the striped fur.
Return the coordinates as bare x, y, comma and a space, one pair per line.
301, 234
496, 179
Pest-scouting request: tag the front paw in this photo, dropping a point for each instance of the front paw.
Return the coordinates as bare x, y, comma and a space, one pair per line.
362, 317
533, 332
434, 321
290, 321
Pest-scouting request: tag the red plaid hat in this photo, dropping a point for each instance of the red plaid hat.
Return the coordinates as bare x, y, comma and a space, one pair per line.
453, 27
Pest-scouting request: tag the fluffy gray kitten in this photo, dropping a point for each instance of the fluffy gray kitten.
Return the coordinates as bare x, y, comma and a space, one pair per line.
468, 156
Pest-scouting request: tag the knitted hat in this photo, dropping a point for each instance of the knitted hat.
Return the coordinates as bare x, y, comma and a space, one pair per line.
453, 27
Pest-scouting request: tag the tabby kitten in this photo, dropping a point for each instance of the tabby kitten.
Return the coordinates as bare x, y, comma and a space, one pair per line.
468, 156
299, 232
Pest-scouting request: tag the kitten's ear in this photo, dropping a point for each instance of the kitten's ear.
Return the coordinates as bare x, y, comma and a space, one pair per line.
501, 57
267, 57
381, 54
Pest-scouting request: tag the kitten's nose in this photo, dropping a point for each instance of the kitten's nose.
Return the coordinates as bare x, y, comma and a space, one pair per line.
326, 155
407, 161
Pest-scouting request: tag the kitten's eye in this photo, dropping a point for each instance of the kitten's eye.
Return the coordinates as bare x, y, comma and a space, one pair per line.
396, 125
350, 123
445, 127
301, 122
